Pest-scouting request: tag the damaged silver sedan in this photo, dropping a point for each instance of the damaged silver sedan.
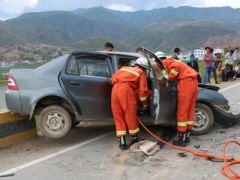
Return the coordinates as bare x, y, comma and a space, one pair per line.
76, 87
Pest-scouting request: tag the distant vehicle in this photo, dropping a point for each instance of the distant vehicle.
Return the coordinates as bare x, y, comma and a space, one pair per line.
76, 87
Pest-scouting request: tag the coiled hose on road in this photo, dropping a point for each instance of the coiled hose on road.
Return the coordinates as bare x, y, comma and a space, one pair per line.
228, 162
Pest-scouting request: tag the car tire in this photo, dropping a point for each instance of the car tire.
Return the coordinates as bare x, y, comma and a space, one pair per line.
54, 122
204, 119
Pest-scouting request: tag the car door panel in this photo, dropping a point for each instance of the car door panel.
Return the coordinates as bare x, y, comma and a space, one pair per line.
89, 86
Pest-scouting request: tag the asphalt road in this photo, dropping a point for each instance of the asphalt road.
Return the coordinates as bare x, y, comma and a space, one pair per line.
91, 151
231, 91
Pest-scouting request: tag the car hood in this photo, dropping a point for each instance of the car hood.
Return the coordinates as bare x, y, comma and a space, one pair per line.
211, 96
219, 105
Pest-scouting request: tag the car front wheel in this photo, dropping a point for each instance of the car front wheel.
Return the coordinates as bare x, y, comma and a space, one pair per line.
54, 121
204, 119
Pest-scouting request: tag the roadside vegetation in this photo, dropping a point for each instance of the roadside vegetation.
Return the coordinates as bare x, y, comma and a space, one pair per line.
5, 70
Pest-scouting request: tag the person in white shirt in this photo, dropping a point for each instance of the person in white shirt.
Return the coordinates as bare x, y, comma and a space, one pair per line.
176, 53
236, 57
229, 59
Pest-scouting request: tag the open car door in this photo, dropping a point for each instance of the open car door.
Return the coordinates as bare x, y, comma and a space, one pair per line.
164, 101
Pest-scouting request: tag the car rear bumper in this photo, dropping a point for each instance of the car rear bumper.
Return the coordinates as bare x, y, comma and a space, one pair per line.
13, 100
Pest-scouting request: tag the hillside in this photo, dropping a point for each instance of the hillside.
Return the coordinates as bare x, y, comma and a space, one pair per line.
31, 52
69, 26
222, 14
186, 35
97, 43
103, 15
9, 34
157, 29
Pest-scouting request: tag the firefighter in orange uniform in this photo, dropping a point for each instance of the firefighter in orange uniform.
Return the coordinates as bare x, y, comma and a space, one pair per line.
129, 84
187, 95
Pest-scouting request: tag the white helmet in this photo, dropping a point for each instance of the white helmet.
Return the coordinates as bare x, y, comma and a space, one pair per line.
160, 54
142, 62
218, 51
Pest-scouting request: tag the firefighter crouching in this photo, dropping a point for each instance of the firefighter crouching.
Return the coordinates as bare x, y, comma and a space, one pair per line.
187, 95
129, 85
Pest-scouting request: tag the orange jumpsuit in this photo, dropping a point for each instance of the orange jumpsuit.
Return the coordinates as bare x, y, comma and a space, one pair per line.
187, 92
129, 84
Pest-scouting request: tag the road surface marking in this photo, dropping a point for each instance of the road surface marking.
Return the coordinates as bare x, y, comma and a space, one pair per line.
225, 89
37, 161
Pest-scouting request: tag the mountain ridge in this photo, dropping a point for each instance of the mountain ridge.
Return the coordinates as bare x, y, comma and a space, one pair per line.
156, 29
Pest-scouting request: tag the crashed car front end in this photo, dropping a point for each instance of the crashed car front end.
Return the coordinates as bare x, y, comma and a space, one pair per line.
219, 105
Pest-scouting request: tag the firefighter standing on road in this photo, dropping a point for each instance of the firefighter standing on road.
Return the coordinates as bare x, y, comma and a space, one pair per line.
187, 95
129, 84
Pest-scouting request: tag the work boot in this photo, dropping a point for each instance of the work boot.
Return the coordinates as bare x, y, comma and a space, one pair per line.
122, 143
134, 139
187, 139
181, 140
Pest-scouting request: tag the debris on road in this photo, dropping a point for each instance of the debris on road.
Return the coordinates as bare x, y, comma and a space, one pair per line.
182, 154
148, 147
197, 146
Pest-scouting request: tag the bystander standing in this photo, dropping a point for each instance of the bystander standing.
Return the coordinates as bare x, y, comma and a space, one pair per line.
214, 67
193, 63
176, 53
236, 57
218, 59
108, 46
229, 60
208, 60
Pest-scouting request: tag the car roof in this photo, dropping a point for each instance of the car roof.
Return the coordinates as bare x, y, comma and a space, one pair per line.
121, 53
55, 66
110, 53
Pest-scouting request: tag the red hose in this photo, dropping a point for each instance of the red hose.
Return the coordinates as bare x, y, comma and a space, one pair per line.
226, 169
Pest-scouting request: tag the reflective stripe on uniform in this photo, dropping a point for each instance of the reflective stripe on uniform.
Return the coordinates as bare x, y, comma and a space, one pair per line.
134, 131
143, 98
190, 122
174, 72
131, 71
121, 133
182, 123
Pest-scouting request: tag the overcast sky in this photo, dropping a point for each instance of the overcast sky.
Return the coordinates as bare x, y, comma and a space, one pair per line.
13, 8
